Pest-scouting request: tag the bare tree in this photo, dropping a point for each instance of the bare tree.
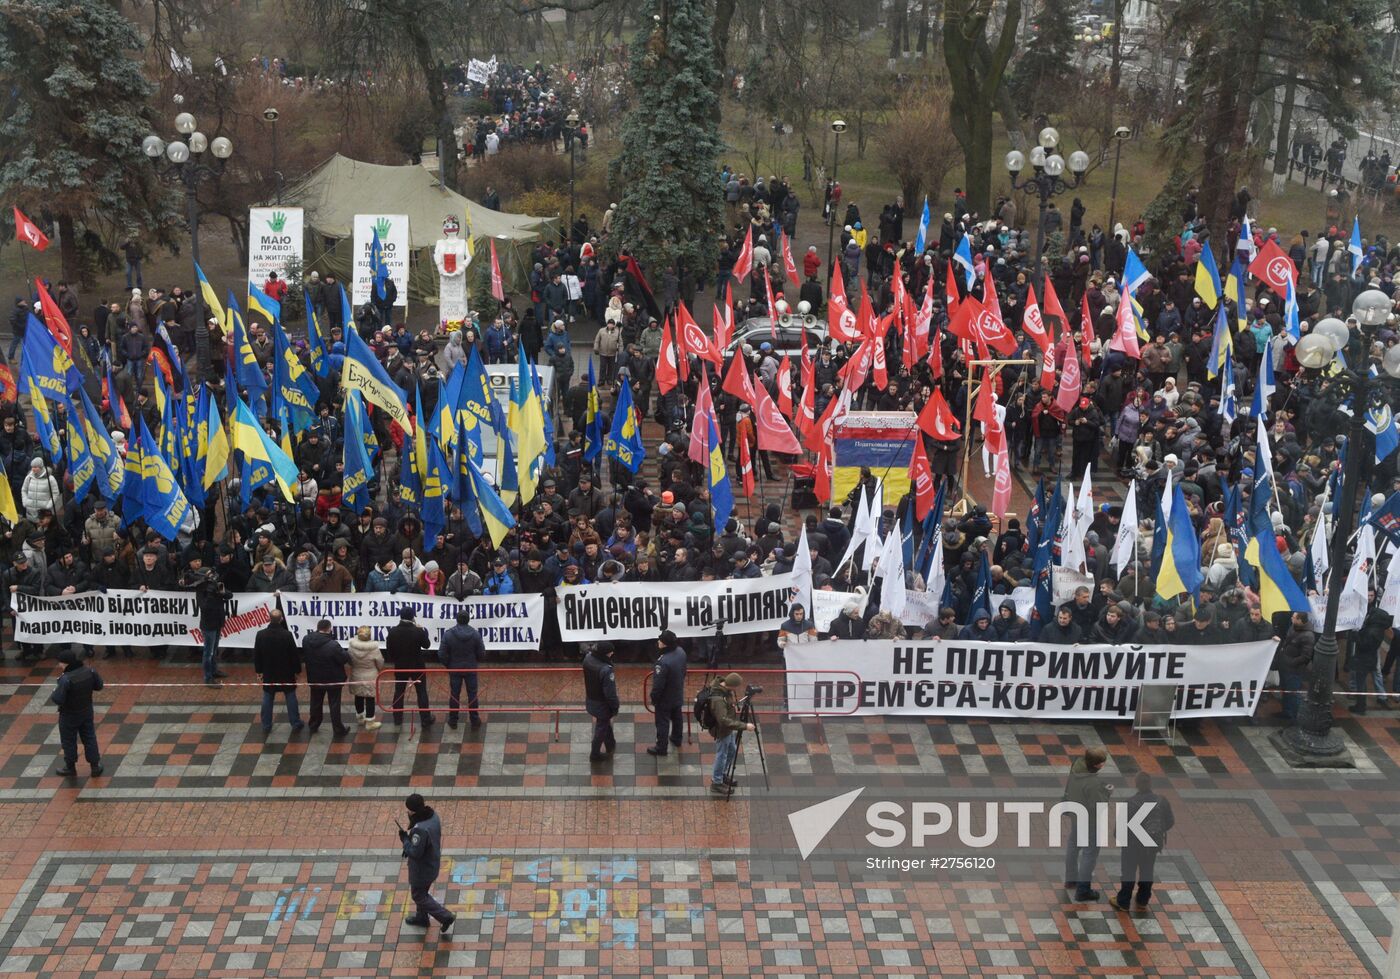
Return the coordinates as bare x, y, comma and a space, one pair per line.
916, 141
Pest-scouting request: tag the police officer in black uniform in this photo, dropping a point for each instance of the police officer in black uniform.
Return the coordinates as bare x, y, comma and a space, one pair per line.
600, 691
668, 692
73, 696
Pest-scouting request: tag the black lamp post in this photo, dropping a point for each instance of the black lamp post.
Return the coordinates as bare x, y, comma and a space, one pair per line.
1046, 180
571, 140
1312, 742
184, 154
1119, 134
271, 115
838, 126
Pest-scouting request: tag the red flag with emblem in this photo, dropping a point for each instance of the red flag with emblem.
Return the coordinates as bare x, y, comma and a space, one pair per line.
9, 393
840, 321
1031, 320
807, 405
821, 481
27, 231
1125, 336
994, 431
772, 304
865, 319
1047, 368
785, 386
737, 381
1086, 329
699, 451
965, 324
937, 419
54, 318
1070, 380
982, 409
743, 265
746, 466
498, 286
921, 480
692, 338
667, 369
774, 433
857, 369
1273, 266
1001, 489
1054, 313
923, 322
724, 318
789, 266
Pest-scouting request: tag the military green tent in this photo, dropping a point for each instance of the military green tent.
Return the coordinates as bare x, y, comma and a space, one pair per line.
340, 188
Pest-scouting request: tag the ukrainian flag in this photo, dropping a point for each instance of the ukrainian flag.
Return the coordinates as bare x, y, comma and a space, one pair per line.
1180, 567
1208, 278
592, 429
211, 298
211, 444
257, 446
1278, 591
261, 302
494, 513
7, 498
1234, 291
364, 373
526, 419
721, 492
1222, 344
246, 372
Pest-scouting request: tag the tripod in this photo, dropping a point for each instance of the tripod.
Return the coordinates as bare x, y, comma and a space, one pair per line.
746, 716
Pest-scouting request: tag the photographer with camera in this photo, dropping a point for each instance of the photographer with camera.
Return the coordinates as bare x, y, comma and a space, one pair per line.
210, 595
724, 724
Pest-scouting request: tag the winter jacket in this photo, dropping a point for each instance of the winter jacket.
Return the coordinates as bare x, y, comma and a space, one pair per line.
276, 658
461, 648
325, 658
365, 663
41, 492
422, 848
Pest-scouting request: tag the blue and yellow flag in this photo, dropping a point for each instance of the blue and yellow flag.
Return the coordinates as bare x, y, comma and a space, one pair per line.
356, 414
261, 455
547, 459
1208, 278
294, 392
495, 515
133, 500
1234, 291
1180, 567
1278, 590
44, 361
434, 496
721, 493
43, 421
624, 442
1222, 344
264, 305
164, 505
359, 469
316, 341
1134, 273
168, 442
476, 403
211, 444
413, 459
104, 452
364, 373
81, 467
505, 455
247, 374
211, 298
592, 428
8, 510
526, 419
442, 426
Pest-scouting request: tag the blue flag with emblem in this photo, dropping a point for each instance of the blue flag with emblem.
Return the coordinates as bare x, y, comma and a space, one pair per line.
246, 371
358, 468
625, 439
44, 361
592, 429
162, 502
434, 496
1380, 420
1227, 390
82, 469
477, 402
1386, 518
316, 340
363, 372
294, 392
104, 451
133, 504
1043, 567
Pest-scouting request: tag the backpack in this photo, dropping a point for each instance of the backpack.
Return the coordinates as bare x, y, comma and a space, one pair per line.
704, 712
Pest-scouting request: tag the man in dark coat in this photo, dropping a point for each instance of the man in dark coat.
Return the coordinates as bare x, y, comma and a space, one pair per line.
277, 662
22, 579
403, 648
1292, 659
668, 692
73, 697
326, 661
462, 649
600, 698
1062, 630
422, 848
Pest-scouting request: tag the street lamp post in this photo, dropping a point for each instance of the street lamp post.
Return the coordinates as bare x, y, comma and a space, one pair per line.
571, 138
271, 115
184, 154
838, 126
1046, 180
1119, 134
1312, 742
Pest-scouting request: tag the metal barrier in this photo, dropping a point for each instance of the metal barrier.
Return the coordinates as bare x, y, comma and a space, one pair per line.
748, 674
537, 704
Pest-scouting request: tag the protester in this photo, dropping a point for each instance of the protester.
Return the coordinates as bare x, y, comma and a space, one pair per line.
73, 696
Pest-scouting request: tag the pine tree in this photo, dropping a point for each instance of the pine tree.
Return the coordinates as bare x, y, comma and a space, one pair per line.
72, 125
671, 208
1043, 76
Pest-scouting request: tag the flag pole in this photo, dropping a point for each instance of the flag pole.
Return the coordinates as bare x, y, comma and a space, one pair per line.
28, 282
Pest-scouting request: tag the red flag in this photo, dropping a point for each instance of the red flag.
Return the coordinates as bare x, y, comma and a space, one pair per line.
115, 404
54, 318
1086, 328
1125, 337
840, 321
839, 408
1001, 491
989, 297
950, 291
923, 323
982, 409
692, 339
774, 434
877, 350
667, 371
857, 369
1032, 322
498, 288
807, 407
937, 419
1070, 382
746, 466
737, 381
700, 425
823, 476
1047, 368
159, 358
935, 357
27, 231
1274, 267
743, 265
785, 386
865, 319
1054, 313
9, 393
772, 304
921, 480
789, 266
724, 319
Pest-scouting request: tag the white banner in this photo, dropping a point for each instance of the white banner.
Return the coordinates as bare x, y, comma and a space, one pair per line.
135, 618
480, 71
827, 605
123, 617
274, 241
972, 679
507, 622
641, 610
393, 239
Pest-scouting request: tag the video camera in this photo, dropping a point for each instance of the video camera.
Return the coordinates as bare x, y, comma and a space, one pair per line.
752, 689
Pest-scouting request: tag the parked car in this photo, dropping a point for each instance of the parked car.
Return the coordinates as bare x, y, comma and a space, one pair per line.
759, 330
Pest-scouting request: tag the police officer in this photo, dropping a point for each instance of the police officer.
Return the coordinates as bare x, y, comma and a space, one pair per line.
668, 692
462, 649
422, 848
600, 692
73, 696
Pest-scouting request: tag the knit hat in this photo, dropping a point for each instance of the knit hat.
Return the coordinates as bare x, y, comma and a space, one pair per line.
733, 681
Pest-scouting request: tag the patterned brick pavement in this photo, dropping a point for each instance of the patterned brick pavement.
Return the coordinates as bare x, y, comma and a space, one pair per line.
210, 849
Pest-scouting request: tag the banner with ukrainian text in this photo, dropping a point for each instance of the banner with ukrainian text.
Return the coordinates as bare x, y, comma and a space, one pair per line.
641, 610
135, 618
1030, 680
